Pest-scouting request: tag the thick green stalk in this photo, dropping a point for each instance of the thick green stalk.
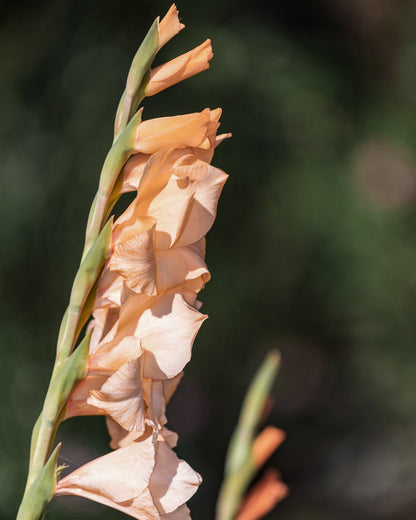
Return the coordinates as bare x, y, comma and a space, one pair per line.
41, 492
65, 377
136, 78
84, 282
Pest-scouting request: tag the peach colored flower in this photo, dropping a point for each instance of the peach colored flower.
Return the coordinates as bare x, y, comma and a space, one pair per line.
130, 374
144, 480
145, 316
134, 167
178, 131
180, 68
175, 207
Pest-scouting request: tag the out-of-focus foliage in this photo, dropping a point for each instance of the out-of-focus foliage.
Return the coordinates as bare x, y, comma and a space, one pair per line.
313, 251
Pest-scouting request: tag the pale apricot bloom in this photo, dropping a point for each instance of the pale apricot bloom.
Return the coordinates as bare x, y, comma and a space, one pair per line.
196, 135
164, 326
144, 480
174, 209
145, 316
134, 167
158, 261
132, 371
264, 495
188, 130
180, 68
169, 26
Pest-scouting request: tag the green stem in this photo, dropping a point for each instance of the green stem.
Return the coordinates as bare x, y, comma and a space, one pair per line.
66, 375
84, 282
118, 155
40, 449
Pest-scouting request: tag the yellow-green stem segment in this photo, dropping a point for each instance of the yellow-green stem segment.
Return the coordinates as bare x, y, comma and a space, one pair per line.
63, 381
118, 155
41, 492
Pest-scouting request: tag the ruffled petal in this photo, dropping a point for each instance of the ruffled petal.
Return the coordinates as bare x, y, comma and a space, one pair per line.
182, 513
77, 403
117, 477
111, 356
173, 481
121, 397
154, 396
170, 211
181, 269
109, 289
134, 259
102, 325
133, 171
167, 330
208, 182
207, 155
170, 385
170, 437
165, 197
120, 438
143, 480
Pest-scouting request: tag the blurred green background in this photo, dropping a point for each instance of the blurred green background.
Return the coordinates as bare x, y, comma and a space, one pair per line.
313, 250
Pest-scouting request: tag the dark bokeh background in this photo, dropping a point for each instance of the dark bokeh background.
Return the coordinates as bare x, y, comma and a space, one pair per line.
313, 250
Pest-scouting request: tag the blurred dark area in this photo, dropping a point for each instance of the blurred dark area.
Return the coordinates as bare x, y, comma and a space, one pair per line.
313, 251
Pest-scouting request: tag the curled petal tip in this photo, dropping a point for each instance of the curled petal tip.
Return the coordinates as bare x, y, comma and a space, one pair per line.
216, 114
169, 26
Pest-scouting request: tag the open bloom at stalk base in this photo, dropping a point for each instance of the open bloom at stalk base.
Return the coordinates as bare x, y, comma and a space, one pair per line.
144, 480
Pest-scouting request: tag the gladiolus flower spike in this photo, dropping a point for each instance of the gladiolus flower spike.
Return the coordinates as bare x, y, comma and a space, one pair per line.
139, 278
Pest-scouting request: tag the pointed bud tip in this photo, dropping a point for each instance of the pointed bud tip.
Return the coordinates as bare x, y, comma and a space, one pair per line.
169, 26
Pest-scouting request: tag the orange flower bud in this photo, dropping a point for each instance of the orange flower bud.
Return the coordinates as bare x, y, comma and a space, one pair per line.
263, 496
180, 68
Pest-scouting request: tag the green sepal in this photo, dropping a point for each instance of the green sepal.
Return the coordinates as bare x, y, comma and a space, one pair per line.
69, 373
118, 155
116, 158
41, 491
253, 405
91, 266
84, 282
137, 77
35, 436
115, 194
87, 308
